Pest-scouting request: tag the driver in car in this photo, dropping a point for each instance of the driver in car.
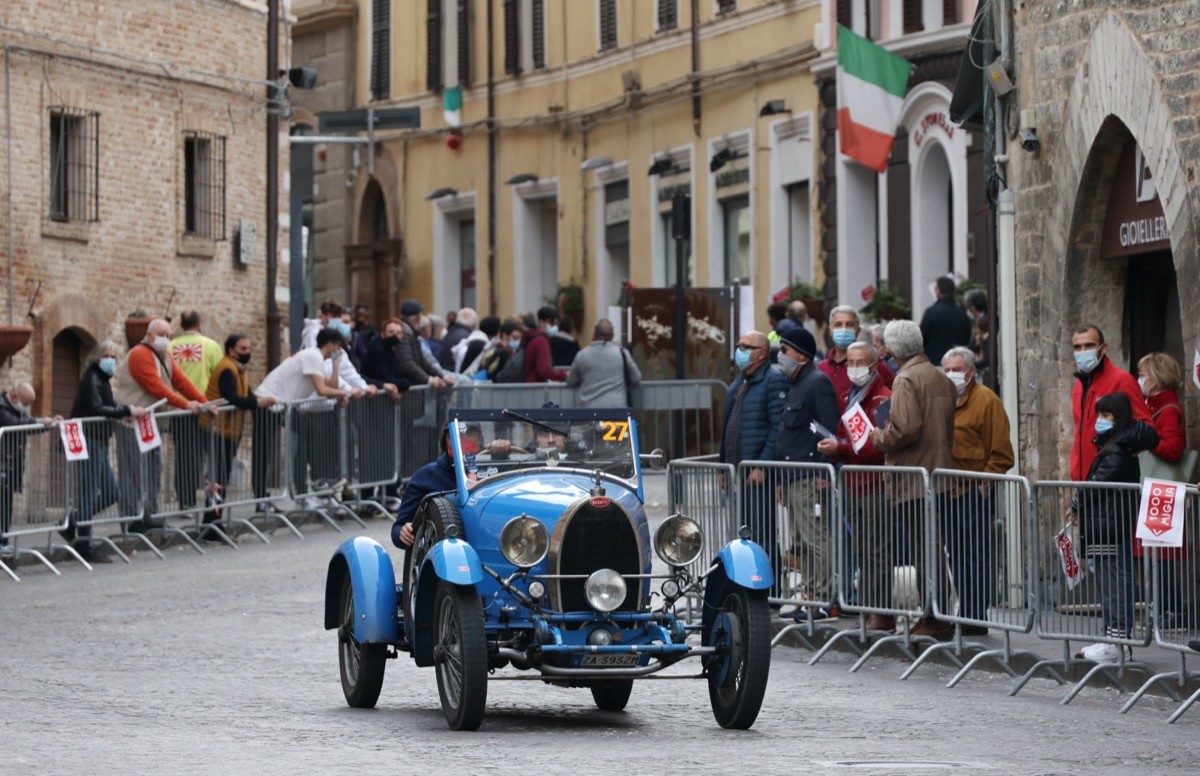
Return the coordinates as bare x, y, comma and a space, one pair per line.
434, 477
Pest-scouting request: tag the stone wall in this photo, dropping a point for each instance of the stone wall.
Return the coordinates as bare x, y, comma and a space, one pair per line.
1095, 75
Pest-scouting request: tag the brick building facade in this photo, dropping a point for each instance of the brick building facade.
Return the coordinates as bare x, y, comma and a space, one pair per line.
134, 173
1111, 85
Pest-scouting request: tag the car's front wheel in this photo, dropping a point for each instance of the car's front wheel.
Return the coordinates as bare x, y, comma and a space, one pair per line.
612, 695
460, 653
737, 674
361, 665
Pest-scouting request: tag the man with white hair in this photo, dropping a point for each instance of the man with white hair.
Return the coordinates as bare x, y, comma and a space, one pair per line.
14, 411
919, 432
844, 328
464, 323
981, 444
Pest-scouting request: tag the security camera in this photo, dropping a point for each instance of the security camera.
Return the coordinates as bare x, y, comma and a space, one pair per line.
1028, 132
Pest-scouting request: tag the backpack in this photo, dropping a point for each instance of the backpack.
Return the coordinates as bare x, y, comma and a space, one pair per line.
492, 360
514, 370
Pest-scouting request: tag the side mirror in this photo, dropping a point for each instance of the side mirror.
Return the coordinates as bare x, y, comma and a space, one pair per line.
656, 459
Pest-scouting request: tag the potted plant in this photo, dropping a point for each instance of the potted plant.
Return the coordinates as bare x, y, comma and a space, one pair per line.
135, 327
569, 301
813, 298
13, 339
887, 304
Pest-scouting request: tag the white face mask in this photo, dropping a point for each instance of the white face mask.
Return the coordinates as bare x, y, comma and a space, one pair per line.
859, 375
160, 344
1145, 385
958, 378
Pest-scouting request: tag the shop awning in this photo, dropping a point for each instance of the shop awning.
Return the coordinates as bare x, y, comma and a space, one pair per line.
966, 105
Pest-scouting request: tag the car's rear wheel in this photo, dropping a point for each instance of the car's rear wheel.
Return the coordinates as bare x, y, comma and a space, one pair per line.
361, 665
737, 674
430, 525
460, 653
612, 695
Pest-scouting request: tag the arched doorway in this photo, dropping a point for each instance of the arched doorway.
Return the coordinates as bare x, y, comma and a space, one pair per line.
373, 262
934, 256
71, 347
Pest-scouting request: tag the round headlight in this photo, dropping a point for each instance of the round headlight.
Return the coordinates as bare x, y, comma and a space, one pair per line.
524, 541
678, 540
536, 590
605, 590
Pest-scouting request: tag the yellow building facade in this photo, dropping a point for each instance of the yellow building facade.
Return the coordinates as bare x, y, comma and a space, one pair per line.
601, 111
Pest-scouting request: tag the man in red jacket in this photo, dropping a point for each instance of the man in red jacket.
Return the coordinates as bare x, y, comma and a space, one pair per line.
539, 366
1097, 376
844, 328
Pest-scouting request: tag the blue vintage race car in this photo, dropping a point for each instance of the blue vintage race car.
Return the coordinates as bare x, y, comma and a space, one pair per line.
540, 561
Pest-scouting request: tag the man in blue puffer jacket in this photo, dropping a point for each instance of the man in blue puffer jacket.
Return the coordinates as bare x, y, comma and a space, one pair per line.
752, 412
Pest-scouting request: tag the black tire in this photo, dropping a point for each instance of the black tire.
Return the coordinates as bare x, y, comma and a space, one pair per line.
612, 695
460, 653
737, 675
361, 665
430, 525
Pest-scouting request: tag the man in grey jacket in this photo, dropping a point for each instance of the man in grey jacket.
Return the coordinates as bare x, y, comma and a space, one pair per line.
603, 371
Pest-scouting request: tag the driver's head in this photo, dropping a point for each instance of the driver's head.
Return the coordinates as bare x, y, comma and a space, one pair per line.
546, 439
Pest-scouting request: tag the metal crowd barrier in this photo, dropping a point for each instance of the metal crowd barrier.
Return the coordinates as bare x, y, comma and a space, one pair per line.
421, 413
660, 406
243, 468
317, 458
106, 488
373, 448
33, 476
706, 491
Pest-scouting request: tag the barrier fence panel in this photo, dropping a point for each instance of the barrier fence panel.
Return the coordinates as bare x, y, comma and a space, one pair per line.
884, 565
421, 413
981, 530
315, 457
697, 407
106, 489
1098, 518
173, 475
373, 448
31, 502
705, 490
242, 468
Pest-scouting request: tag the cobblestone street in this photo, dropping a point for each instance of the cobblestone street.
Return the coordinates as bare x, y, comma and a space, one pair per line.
218, 664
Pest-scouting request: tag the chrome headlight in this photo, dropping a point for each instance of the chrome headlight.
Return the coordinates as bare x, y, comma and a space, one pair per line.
678, 541
605, 590
524, 541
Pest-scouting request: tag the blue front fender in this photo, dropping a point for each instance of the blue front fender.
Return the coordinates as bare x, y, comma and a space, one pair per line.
373, 583
455, 561
746, 564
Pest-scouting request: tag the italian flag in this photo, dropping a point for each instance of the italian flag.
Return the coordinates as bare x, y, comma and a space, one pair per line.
452, 106
870, 89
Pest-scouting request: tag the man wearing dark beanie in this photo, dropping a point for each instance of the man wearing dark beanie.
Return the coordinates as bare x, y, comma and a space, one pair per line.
806, 494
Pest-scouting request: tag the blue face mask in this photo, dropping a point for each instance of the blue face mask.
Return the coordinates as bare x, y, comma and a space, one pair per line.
1087, 360
741, 358
1103, 425
843, 337
551, 330
513, 344
108, 365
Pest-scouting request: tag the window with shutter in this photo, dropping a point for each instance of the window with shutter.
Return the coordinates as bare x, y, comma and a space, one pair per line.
843, 13
381, 49
950, 12
537, 11
668, 15
726, 6
464, 42
913, 21
608, 24
512, 38
433, 45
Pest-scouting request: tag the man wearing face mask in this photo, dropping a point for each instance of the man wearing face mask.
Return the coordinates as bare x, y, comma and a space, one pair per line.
328, 312
1096, 377
844, 329
981, 444
865, 500
14, 411
810, 397
417, 367
149, 374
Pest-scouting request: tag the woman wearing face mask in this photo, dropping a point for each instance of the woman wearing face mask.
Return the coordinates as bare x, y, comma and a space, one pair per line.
1107, 517
1160, 380
96, 484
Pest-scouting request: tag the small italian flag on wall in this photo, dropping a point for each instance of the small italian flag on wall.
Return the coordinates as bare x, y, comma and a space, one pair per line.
452, 106
870, 89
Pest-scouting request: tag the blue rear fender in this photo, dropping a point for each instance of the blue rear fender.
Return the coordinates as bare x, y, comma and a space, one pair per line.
746, 564
373, 583
450, 560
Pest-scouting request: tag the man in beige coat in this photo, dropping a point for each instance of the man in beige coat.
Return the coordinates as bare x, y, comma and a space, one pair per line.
919, 432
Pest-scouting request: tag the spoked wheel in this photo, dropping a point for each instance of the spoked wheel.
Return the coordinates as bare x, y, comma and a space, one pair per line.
361, 665
429, 527
737, 674
612, 695
460, 653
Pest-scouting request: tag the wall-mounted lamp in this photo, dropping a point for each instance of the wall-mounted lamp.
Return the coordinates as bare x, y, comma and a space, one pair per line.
519, 178
774, 108
596, 163
445, 191
661, 166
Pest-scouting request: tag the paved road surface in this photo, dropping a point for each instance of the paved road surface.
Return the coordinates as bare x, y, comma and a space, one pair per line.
219, 664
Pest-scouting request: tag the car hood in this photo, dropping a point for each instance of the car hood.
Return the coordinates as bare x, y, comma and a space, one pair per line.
546, 491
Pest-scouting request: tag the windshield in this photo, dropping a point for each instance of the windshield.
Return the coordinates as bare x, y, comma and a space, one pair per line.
515, 439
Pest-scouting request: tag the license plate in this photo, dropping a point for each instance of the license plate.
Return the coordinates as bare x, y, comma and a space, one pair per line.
609, 660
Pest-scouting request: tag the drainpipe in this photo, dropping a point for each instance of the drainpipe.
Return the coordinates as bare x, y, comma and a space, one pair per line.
8, 169
272, 226
695, 67
491, 136
1006, 269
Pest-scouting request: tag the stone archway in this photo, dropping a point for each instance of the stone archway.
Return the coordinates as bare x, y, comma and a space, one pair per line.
374, 261
1115, 94
66, 313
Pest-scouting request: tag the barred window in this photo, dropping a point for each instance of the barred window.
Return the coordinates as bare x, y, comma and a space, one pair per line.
608, 24
913, 17
726, 6
381, 49
204, 185
524, 36
668, 15
74, 164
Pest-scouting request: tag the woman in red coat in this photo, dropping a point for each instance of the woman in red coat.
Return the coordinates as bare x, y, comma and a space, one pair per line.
1160, 377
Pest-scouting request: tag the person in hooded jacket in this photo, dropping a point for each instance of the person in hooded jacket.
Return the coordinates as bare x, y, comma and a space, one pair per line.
1106, 517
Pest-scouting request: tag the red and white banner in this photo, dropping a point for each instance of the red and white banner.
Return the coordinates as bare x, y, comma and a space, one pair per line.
147, 433
1160, 516
858, 426
74, 444
1069, 557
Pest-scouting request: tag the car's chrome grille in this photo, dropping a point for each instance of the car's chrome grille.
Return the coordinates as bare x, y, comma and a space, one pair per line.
592, 539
